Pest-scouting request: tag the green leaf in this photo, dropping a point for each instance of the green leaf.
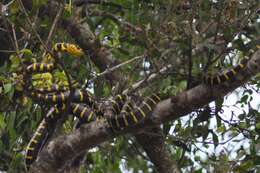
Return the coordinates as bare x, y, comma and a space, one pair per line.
11, 126
15, 62
243, 125
26, 52
2, 123
215, 139
244, 99
257, 126
199, 171
221, 129
219, 102
7, 88
246, 165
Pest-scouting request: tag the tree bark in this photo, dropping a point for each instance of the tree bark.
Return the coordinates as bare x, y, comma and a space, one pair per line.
156, 150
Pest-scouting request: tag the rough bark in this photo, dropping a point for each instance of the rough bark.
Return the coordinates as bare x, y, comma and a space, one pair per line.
156, 150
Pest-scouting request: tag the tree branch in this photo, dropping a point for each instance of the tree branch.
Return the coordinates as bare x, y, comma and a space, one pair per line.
148, 80
155, 148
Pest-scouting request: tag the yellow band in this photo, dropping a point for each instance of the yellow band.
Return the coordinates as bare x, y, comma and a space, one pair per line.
142, 112
154, 102
75, 109
83, 112
125, 120
134, 118
90, 116
147, 105
30, 148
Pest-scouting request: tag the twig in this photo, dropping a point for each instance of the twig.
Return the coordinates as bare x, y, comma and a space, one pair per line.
135, 148
215, 38
7, 51
219, 143
190, 63
15, 39
3, 29
6, 23
32, 26
152, 77
124, 24
101, 2
57, 17
109, 70
4, 8
240, 129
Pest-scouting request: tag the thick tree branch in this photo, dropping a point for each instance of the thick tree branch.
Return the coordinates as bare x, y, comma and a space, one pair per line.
155, 148
66, 147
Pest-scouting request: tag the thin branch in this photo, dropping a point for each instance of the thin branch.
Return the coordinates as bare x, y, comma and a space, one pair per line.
99, 2
57, 17
219, 143
124, 24
190, 63
149, 79
15, 39
109, 70
190, 38
215, 38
